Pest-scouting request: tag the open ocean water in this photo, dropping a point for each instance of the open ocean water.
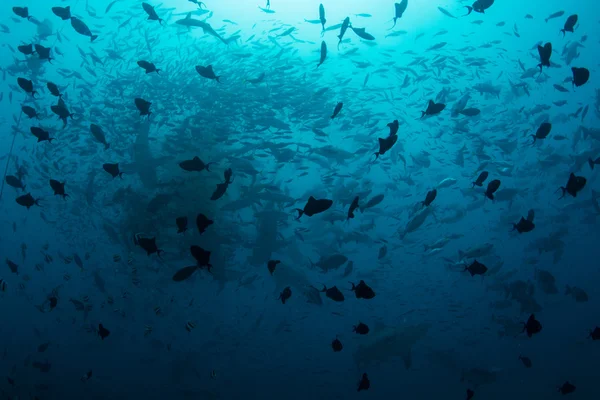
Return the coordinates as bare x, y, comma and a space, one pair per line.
291, 200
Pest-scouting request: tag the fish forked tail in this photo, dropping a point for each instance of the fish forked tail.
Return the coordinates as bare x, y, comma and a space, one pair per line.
300, 213
564, 191
208, 164
469, 10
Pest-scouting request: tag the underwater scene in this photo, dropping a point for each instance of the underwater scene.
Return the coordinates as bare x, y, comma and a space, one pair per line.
299, 199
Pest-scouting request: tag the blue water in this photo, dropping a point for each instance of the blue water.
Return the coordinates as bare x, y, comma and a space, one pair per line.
435, 330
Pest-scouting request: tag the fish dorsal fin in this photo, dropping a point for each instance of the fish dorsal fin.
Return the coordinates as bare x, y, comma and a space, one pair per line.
189, 16
196, 158
311, 198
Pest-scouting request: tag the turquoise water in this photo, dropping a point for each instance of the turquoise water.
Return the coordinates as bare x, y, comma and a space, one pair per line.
435, 331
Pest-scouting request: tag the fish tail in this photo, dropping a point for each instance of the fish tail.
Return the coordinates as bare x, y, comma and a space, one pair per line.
121, 175
93, 37
217, 78
534, 139
353, 286
469, 10
563, 32
564, 191
300, 213
208, 164
591, 162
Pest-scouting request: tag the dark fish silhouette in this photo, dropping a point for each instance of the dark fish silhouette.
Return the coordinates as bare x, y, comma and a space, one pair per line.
272, 265
364, 383
343, 30
152, 15
361, 33
580, 76
22, 12
595, 334
385, 145
480, 179
322, 17
361, 329
574, 185
285, 295
41, 134
143, 106
43, 52
336, 345
314, 206
476, 268
492, 187
567, 388
81, 28
207, 72
569, 24
545, 53
219, 191
30, 112
54, 90
202, 222
182, 223
99, 135
523, 226
399, 9
333, 293
479, 6
148, 244
26, 49
433, 108
431, 195
337, 110
58, 188
27, 86
148, 66
532, 326
184, 273
103, 332
352, 208
543, 131
15, 182
323, 53
63, 13
195, 165
27, 201
113, 170
362, 290
201, 256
